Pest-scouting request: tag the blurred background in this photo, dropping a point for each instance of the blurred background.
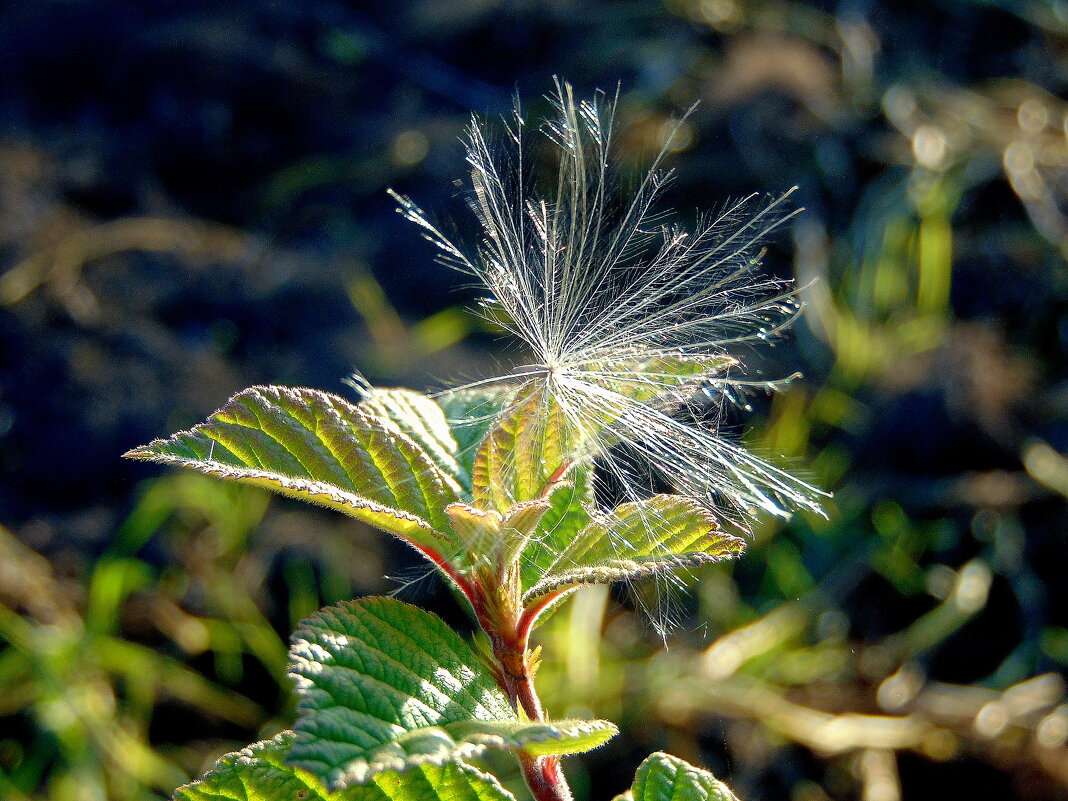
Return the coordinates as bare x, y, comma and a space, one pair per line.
192, 201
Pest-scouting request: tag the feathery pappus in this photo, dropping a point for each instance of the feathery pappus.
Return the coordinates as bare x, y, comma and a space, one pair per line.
634, 322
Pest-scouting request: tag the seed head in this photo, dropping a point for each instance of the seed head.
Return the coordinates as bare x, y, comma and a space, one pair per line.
634, 323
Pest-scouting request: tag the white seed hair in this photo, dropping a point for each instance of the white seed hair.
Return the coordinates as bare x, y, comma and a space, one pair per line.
603, 293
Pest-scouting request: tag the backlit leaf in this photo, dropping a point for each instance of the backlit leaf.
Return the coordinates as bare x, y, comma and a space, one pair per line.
519, 456
422, 419
641, 377
664, 532
320, 448
567, 516
471, 413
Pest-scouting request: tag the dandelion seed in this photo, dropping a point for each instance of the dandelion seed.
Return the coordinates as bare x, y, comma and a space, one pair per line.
633, 322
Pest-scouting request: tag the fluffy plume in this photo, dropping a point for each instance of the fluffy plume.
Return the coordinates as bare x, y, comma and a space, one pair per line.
634, 323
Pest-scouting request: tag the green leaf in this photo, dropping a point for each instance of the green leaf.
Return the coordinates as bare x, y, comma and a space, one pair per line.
567, 516
520, 455
486, 534
471, 414
557, 737
642, 377
259, 773
320, 448
662, 777
664, 532
384, 686
477, 530
422, 419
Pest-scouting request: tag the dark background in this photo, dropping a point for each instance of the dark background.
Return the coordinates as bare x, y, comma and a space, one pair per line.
192, 201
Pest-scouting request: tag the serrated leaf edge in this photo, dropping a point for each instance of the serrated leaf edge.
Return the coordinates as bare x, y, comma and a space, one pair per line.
323, 493
317, 492
246, 757
615, 570
712, 788
473, 746
609, 570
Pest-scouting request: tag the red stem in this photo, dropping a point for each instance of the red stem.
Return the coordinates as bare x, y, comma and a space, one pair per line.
542, 774
544, 778
531, 613
556, 476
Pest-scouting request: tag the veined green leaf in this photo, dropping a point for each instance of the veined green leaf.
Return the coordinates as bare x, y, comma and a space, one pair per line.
477, 529
320, 448
383, 686
664, 532
641, 377
259, 773
662, 777
567, 515
520, 454
487, 534
424, 420
556, 737
471, 414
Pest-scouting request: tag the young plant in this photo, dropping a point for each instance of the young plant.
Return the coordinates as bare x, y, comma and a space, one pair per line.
598, 462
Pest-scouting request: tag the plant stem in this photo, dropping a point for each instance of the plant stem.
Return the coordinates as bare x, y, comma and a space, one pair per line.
450, 570
510, 649
542, 774
530, 614
544, 778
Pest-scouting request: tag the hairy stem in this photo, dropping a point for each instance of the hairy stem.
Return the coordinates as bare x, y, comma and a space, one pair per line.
510, 640
531, 613
450, 570
544, 778
542, 774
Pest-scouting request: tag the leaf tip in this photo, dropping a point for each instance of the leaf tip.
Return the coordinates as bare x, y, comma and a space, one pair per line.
143, 452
